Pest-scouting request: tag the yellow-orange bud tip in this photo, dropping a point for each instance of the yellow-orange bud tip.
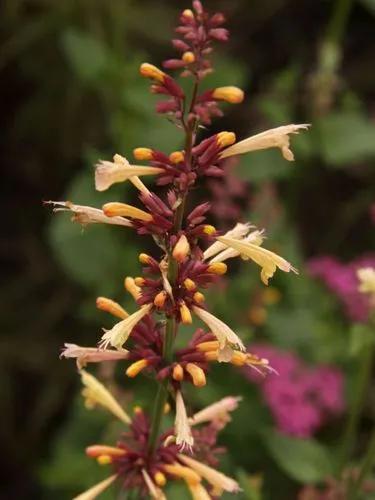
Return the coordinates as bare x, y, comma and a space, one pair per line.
217, 268
225, 139
188, 57
230, 94
176, 157
142, 154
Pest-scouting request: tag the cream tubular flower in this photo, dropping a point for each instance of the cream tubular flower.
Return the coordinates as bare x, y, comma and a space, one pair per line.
88, 215
95, 393
267, 260
256, 238
184, 437
273, 138
366, 277
214, 477
136, 181
96, 490
108, 173
239, 231
85, 355
119, 334
216, 411
222, 332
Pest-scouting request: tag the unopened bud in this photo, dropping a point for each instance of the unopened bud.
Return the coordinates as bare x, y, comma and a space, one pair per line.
185, 314
181, 249
137, 409
136, 367
150, 71
111, 307
139, 281
176, 157
217, 268
234, 95
115, 208
160, 299
188, 57
199, 298
160, 479
197, 374
142, 154
132, 288
104, 460
144, 258
225, 139
167, 408
178, 373
210, 230
189, 285
188, 13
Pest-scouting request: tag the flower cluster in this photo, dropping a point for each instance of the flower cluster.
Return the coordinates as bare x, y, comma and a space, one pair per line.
191, 256
343, 280
301, 399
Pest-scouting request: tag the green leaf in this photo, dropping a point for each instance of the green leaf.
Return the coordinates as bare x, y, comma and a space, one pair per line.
361, 337
304, 460
345, 137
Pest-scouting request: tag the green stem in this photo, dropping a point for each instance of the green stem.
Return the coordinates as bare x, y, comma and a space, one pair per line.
359, 392
367, 464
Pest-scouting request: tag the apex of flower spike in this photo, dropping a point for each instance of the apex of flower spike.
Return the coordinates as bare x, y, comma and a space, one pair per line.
188, 13
150, 71
233, 95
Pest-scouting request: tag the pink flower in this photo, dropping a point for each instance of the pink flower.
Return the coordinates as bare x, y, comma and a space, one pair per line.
301, 399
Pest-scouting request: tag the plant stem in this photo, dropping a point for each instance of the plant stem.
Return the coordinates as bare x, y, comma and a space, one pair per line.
171, 324
359, 391
366, 467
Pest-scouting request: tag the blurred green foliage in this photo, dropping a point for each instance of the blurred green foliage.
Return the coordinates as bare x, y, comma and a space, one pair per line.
72, 74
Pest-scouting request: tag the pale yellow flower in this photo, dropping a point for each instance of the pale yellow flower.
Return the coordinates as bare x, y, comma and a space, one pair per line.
95, 393
267, 260
273, 138
222, 332
96, 490
108, 173
119, 334
184, 437
255, 237
239, 231
136, 181
85, 355
198, 491
366, 277
88, 215
214, 477
216, 411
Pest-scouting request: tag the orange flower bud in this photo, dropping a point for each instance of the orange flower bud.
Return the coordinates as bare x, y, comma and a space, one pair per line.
136, 367
176, 157
160, 479
142, 154
111, 307
210, 345
115, 208
144, 258
198, 297
132, 288
210, 230
185, 314
217, 268
231, 94
150, 71
225, 139
197, 374
97, 450
188, 57
104, 460
178, 373
139, 281
160, 299
181, 249
189, 285
188, 13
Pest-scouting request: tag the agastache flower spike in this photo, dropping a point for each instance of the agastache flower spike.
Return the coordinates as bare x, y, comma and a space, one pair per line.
168, 291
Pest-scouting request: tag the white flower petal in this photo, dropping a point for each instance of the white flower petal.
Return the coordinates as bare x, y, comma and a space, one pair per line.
184, 437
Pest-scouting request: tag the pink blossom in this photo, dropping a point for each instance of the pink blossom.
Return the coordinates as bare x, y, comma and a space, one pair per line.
301, 398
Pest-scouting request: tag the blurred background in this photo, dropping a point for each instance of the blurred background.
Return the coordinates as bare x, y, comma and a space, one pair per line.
71, 94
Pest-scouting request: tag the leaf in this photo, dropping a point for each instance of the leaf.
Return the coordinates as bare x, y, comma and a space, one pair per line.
304, 460
345, 137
